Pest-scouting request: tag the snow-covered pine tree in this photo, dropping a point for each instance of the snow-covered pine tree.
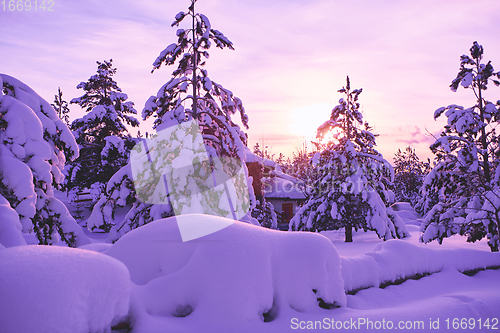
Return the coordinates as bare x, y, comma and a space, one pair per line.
301, 168
265, 214
352, 190
35, 145
212, 105
409, 174
466, 178
61, 106
101, 133
189, 95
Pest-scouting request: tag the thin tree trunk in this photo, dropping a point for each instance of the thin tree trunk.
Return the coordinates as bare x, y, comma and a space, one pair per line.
484, 142
348, 226
496, 225
348, 233
195, 51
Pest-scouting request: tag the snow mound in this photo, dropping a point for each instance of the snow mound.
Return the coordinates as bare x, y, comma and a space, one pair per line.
55, 289
10, 227
96, 247
396, 259
407, 213
239, 274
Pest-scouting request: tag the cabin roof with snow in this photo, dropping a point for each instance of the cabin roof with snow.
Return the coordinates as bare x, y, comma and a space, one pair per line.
279, 185
251, 157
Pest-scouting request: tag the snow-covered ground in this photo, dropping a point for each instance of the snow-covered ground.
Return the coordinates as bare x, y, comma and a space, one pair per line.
245, 278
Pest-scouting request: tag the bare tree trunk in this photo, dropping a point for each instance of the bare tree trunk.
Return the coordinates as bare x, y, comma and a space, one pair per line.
348, 232
484, 142
195, 55
495, 227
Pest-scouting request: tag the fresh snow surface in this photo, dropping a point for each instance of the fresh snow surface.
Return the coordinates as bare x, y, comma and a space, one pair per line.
10, 227
407, 213
51, 289
226, 279
278, 187
233, 279
224, 282
396, 259
251, 157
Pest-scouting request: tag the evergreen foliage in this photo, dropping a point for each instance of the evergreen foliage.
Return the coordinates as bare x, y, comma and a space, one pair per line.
35, 144
189, 95
462, 192
352, 189
409, 174
300, 167
263, 210
101, 133
61, 106
210, 103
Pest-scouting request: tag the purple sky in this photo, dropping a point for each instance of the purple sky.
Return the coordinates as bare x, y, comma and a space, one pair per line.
291, 57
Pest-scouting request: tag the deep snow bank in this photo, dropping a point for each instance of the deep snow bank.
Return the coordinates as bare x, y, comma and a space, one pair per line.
10, 227
239, 274
54, 289
407, 213
395, 259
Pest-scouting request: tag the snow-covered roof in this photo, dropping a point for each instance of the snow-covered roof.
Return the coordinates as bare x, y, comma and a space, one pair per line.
280, 185
251, 157
283, 186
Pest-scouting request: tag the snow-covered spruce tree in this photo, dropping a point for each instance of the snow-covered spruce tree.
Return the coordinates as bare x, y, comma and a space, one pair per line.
189, 95
352, 189
466, 178
61, 106
301, 168
409, 174
265, 214
101, 133
35, 145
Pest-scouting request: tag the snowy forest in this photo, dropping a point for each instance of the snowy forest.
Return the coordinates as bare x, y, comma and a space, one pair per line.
189, 228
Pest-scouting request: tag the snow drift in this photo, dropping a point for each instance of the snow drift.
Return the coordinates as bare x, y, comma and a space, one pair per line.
242, 278
407, 213
48, 289
10, 228
241, 273
397, 259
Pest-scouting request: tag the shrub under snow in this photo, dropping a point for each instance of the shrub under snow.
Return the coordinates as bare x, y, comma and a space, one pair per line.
231, 280
240, 274
49, 289
34, 146
397, 259
10, 228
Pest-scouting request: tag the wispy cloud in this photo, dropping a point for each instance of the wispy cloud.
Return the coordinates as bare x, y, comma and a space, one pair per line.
411, 135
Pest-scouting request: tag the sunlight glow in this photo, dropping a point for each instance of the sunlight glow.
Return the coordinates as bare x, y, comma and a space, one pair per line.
331, 136
305, 120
